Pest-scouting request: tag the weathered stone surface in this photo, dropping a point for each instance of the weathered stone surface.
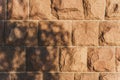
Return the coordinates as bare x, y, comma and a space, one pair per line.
20, 33
1, 32
109, 33
85, 32
40, 9
110, 76
17, 9
86, 76
4, 76
101, 59
94, 9
113, 9
58, 76
2, 9
26, 76
43, 59
117, 56
55, 33
64, 9
12, 59
73, 59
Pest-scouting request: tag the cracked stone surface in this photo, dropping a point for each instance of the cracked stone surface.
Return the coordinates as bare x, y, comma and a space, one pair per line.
85, 33
20, 33
113, 9
55, 33
73, 59
101, 59
86, 76
109, 33
43, 59
17, 9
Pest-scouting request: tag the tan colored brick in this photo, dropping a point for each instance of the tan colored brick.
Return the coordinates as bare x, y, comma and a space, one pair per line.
112, 9
55, 33
21, 33
64, 9
109, 33
43, 59
101, 59
40, 9
86, 76
94, 9
110, 76
117, 56
85, 33
73, 59
17, 9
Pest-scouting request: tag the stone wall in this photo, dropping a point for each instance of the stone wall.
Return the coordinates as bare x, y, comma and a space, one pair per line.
59, 40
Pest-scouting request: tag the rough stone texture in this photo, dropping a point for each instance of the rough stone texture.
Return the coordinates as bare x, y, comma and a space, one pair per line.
26, 76
55, 33
4, 76
17, 9
109, 33
113, 9
64, 9
20, 33
43, 59
94, 9
110, 76
12, 59
73, 59
117, 56
85, 33
2, 9
40, 9
86, 76
58, 76
101, 59
1, 32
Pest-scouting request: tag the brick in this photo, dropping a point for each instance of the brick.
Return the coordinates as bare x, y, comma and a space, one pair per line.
109, 33
62, 9
12, 59
55, 33
112, 10
2, 9
1, 33
101, 59
58, 76
117, 56
85, 33
17, 9
4, 76
94, 9
26, 76
86, 76
109, 76
73, 59
43, 59
21, 33
40, 9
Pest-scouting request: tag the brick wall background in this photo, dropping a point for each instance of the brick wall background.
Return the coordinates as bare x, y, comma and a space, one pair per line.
59, 40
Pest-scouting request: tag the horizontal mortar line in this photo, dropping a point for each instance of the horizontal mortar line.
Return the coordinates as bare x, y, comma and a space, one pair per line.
59, 20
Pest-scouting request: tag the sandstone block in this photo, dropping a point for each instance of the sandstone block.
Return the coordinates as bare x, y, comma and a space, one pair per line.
12, 59
55, 33
109, 33
20, 33
64, 9
17, 9
113, 9
43, 59
117, 56
86, 76
85, 33
73, 59
101, 59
